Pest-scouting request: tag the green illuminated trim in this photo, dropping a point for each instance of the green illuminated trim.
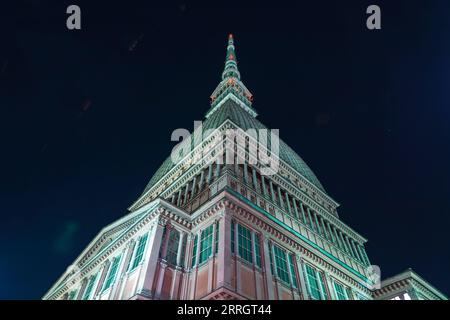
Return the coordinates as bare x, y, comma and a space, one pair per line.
282, 224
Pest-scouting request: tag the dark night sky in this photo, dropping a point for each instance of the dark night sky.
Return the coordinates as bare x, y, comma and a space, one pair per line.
85, 122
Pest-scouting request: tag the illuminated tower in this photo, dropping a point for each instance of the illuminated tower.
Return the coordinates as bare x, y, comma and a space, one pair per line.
212, 224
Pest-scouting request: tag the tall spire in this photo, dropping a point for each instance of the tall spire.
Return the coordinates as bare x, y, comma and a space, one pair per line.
231, 86
231, 69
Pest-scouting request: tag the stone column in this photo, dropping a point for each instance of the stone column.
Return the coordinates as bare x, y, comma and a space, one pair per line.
185, 276
343, 241
338, 241
237, 254
185, 200
195, 268
124, 277
280, 197
350, 247
150, 261
82, 289
245, 173
176, 279
120, 270
102, 273
193, 187
271, 191
288, 204
325, 232
211, 261
236, 166
291, 278
303, 213
209, 173
255, 180
224, 252
268, 270
179, 197
200, 183
331, 233
263, 183
355, 250
217, 173
319, 231
310, 219
294, 202
257, 284
302, 277
330, 286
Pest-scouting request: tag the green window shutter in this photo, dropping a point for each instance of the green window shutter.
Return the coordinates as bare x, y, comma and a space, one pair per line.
89, 287
281, 264
206, 244
140, 251
340, 294
323, 286
258, 250
292, 267
194, 251
232, 236
312, 281
112, 273
172, 247
245, 243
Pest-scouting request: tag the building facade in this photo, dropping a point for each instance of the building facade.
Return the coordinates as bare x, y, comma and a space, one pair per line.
214, 223
407, 285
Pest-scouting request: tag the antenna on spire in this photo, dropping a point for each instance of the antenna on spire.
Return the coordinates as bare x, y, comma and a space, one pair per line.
231, 69
231, 86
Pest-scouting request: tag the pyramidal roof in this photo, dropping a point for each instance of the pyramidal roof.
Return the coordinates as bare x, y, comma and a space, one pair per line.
231, 100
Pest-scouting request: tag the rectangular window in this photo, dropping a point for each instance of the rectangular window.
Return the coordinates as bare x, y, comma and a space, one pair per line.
216, 240
281, 264
139, 251
349, 294
323, 287
312, 282
206, 244
258, 250
294, 275
194, 251
89, 287
73, 295
112, 273
245, 243
172, 247
340, 293
232, 236
361, 297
